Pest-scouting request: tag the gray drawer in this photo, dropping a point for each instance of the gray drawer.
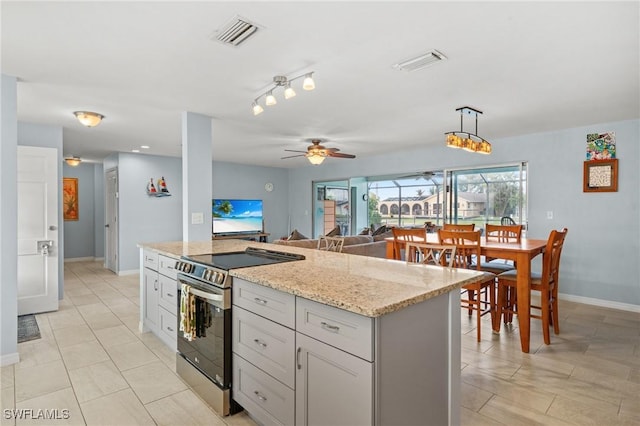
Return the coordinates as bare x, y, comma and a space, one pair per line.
269, 401
150, 259
167, 266
267, 302
168, 294
344, 330
265, 344
168, 328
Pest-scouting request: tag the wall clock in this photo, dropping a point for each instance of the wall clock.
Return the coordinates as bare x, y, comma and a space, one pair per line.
268, 187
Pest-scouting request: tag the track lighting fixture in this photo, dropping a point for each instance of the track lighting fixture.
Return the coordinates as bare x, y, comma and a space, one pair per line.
468, 141
282, 81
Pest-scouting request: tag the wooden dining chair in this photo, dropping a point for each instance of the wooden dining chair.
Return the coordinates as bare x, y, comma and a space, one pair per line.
330, 243
403, 235
501, 234
459, 227
430, 254
545, 282
506, 220
480, 294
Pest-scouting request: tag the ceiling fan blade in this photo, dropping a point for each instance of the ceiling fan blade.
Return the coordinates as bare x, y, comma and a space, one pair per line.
291, 156
293, 150
333, 149
340, 155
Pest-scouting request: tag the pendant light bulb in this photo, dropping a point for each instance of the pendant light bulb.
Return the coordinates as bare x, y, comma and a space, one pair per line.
257, 109
270, 99
315, 159
308, 83
289, 92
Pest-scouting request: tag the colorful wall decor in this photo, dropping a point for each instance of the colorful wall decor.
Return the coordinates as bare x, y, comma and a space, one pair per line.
159, 190
601, 146
70, 198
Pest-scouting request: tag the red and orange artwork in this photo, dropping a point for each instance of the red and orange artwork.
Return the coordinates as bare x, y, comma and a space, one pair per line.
70, 198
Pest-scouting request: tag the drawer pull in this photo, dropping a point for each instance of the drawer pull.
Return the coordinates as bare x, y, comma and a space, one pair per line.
329, 327
259, 343
169, 294
298, 352
260, 396
261, 301
169, 328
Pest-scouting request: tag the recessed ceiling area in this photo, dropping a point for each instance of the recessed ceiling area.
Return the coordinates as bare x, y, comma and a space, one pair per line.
529, 66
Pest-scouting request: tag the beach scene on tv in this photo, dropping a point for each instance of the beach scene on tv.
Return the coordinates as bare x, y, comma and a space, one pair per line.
234, 216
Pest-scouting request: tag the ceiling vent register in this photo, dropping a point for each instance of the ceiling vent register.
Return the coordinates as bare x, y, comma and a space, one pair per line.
236, 32
420, 62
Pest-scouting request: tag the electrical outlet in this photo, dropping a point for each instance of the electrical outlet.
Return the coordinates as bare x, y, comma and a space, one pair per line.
197, 218
549, 214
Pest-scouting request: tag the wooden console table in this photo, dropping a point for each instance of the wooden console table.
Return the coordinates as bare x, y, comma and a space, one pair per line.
261, 236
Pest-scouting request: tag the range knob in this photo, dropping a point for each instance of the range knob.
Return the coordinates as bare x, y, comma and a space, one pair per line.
208, 275
219, 278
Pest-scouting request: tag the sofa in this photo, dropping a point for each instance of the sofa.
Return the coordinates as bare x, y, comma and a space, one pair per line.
362, 245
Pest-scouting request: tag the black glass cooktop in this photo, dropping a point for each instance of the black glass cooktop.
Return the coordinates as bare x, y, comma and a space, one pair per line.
243, 259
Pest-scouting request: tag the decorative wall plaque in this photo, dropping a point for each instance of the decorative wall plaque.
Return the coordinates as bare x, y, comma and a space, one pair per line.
600, 176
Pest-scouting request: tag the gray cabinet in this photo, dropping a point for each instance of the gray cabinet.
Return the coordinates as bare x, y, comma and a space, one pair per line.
159, 297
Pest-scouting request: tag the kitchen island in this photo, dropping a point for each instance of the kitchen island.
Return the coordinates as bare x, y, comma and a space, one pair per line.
366, 340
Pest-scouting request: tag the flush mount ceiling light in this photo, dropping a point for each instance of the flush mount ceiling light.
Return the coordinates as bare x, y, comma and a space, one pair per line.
420, 62
468, 141
88, 118
282, 81
72, 161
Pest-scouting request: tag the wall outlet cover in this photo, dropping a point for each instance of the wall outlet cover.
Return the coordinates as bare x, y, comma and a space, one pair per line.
197, 218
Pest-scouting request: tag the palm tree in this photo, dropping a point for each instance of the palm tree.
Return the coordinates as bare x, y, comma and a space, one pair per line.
225, 207
420, 192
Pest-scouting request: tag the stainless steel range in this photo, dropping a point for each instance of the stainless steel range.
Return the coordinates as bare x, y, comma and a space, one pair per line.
204, 322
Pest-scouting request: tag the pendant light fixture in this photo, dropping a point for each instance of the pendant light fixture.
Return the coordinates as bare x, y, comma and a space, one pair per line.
468, 141
88, 118
282, 81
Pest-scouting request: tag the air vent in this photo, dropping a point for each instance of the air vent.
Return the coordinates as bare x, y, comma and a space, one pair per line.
236, 32
420, 62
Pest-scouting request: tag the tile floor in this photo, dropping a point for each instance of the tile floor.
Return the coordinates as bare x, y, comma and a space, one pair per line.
93, 362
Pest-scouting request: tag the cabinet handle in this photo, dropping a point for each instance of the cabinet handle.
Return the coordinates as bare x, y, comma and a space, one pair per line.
169, 294
260, 396
298, 352
155, 285
169, 328
261, 301
259, 343
329, 327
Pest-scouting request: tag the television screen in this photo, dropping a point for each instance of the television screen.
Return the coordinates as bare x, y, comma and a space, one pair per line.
236, 216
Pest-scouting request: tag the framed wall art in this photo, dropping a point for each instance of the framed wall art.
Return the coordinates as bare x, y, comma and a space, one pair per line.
600, 176
70, 198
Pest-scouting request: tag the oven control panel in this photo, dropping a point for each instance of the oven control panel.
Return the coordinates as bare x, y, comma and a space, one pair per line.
215, 276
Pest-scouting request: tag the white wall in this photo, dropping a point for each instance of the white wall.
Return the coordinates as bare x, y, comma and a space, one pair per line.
600, 258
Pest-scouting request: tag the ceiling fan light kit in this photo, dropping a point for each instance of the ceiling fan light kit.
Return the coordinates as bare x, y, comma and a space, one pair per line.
282, 81
470, 142
88, 118
317, 153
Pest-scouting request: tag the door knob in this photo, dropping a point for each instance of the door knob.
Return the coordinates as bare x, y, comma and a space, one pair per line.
107, 225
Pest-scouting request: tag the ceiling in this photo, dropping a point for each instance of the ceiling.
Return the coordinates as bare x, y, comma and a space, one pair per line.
529, 66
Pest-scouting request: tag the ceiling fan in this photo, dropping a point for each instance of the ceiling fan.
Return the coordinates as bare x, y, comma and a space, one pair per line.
316, 153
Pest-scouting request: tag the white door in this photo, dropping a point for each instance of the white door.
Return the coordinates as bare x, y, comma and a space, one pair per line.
111, 217
37, 229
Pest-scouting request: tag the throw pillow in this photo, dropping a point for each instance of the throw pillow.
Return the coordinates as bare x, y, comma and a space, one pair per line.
295, 235
365, 231
335, 232
381, 230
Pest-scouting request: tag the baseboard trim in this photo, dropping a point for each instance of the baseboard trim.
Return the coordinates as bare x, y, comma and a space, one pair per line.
599, 302
9, 359
129, 272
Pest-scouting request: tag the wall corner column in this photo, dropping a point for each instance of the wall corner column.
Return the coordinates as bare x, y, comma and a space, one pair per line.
197, 167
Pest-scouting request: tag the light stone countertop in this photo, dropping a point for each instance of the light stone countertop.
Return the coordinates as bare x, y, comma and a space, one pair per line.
364, 285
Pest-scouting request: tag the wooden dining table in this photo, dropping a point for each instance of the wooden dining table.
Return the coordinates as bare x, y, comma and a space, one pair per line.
522, 253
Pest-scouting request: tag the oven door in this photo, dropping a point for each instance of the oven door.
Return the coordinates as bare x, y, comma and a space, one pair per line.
209, 349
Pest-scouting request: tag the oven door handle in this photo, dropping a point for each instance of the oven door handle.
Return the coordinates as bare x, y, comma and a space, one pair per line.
205, 295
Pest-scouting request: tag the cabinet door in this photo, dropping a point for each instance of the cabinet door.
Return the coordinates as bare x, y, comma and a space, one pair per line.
151, 291
332, 386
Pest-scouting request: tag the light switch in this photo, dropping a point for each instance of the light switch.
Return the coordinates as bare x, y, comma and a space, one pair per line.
549, 214
197, 218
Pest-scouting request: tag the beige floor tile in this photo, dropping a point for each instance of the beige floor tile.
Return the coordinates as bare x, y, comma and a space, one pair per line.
78, 290
508, 413
97, 380
37, 352
100, 321
55, 408
167, 356
183, 408
40, 379
83, 354
132, 322
113, 336
46, 332
153, 381
65, 318
93, 309
471, 418
589, 411
86, 299
6, 376
119, 408
123, 307
7, 402
131, 355
473, 398
70, 336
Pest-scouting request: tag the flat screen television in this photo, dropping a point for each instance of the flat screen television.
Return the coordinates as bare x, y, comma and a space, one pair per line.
236, 216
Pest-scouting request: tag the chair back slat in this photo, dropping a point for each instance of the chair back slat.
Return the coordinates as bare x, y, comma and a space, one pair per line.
430, 254
503, 233
467, 246
551, 260
403, 235
459, 227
